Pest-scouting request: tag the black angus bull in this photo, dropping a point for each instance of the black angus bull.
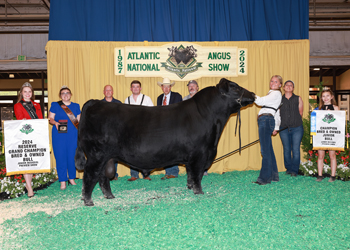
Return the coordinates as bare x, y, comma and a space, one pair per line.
154, 137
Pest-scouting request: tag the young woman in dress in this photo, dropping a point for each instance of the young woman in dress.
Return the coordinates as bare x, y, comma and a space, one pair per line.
327, 102
26, 108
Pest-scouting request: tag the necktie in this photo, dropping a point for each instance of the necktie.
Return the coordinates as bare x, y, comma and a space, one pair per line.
164, 101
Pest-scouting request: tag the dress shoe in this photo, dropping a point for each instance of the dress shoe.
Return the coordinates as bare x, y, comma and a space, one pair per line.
331, 179
259, 183
147, 178
132, 179
319, 178
168, 177
287, 172
293, 175
71, 182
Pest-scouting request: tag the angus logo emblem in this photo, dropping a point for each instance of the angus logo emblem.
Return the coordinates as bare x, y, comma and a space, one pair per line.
27, 128
182, 61
328, 118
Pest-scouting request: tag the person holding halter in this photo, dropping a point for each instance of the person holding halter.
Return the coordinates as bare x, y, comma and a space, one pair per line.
269, 122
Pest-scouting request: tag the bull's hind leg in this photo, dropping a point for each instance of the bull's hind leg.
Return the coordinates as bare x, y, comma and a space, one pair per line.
189, 177
91, 175
105, 186
89, 184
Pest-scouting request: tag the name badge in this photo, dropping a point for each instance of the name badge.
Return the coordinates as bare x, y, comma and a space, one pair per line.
63, 127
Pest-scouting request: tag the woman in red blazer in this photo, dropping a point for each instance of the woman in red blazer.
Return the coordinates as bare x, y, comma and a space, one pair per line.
26, 108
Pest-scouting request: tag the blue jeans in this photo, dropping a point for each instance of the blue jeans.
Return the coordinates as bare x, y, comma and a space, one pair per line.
268, 170
174, 170
135, 173
291, 139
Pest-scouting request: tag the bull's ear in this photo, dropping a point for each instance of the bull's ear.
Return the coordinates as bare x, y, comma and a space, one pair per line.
223, 85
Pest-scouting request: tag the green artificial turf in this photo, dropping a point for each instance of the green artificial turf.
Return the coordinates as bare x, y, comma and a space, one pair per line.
233, 213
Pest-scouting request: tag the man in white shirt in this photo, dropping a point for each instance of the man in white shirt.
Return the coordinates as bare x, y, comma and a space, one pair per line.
137, 99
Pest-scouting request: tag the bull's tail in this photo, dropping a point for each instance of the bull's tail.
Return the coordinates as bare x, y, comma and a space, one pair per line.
80, 160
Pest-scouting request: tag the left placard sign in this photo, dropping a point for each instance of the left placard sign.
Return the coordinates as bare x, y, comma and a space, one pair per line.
27, 148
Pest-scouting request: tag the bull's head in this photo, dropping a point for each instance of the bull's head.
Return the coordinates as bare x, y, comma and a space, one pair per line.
239, 97
236, 97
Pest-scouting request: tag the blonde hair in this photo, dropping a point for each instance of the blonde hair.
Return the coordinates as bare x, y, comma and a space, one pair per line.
333, 101
20, 94
279, 78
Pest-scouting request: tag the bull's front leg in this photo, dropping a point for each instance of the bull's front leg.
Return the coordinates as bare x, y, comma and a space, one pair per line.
105, 186
194, 177
197, 183
195, 171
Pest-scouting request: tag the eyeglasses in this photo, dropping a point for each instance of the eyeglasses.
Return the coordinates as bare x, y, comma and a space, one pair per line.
66, 93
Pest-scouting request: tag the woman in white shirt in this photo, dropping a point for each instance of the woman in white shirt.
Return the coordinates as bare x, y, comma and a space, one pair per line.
269, 122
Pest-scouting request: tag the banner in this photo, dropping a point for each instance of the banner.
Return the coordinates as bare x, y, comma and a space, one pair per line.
180, 61
27, 147
330, 130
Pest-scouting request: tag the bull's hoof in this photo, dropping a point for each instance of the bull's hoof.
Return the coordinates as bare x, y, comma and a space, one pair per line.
89, 203
111, 196
198, 191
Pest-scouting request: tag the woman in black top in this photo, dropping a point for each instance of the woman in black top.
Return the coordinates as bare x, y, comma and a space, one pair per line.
291, 128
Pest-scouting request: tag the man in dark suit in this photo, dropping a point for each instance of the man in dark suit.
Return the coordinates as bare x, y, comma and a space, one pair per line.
168, 97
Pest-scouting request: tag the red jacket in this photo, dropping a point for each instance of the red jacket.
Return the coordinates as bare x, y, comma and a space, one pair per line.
22, 113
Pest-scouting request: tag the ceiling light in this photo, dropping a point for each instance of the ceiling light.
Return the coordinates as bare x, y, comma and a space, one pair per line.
316, 68
11, 76
31, 80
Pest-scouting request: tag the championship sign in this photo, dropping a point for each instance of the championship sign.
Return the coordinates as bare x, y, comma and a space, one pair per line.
329, 126
27, 147
182, 61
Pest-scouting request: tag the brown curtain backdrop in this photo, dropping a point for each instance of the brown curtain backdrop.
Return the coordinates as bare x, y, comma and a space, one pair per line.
86, 67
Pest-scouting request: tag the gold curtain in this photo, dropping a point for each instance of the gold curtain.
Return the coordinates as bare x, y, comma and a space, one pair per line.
86, 67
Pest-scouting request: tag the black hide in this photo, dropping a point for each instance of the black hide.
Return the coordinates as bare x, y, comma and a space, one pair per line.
154, 137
